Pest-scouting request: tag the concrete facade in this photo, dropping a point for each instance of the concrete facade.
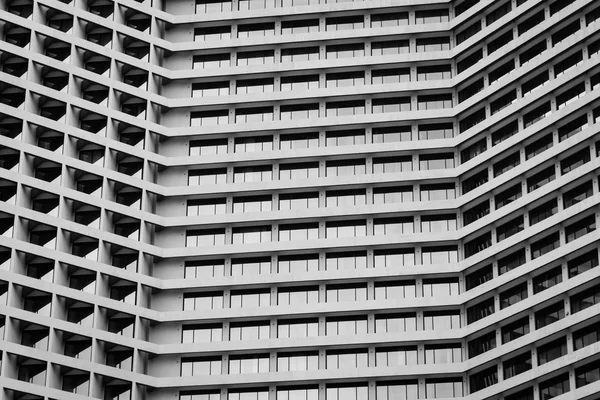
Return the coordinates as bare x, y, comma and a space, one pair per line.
299, 199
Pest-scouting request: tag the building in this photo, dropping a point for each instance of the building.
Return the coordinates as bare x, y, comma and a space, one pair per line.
299, 199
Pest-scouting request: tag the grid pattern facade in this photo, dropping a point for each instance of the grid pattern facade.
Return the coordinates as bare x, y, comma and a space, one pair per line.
299, 199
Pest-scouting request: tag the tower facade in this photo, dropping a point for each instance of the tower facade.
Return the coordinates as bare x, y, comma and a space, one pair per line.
299, 199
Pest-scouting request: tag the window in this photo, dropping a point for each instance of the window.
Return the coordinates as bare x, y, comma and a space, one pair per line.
389, 19
254, 114
394, 258
200, 395
302, 82
436, 161
345, 167
392, 390
384, 165
250, 204
439, 255
510, 228
298, 54
299, 141
299, 26
554, 387
251, 266
299, 171
345, 261
512, 261
481, 310
345, 229
473, 150
393, 226
252, 86
347, 358
501, 71
515, 330
586, 336
532, 52
203, 333
204, 269
466, 33
513, 295
503, 101
345, 50
580, 228
570, 95
438, 223
535, 82
391, 104
207, 89
346, 292
526, 394
208, 147
248, 364
290, 232
389, 47
301, 295
256, 30
298, 361
469, 61
435, 131
565, 32
249, 330
205, 237
345, 108
207, 176
251, 234
249, 298
542, 212
257, 173
482, 379
345, 198
575, 161
293, 328
299, 111
433, 44
201, 366
478, 244
212, 33
386, 76
209, 118
395, 323
573, 127
248, 394
345, 79
443, 388
395, 290
203, 301
346, 325
470, 121
541, 178
440, 320
432, 16
585, 299
566, 64
297, 201
434, 72
207, 61
394, 356
345, 138
443, 354
531, 22
258, 57
583, 263
212, 6
498, 13
587, 374
391, 134
476, 212
298, 263
387, 195
549, 315
545, 245
508, 196
347, 391
474, 181
517, 365
479, 277
482, 344
435, 192
500, 41
206, 207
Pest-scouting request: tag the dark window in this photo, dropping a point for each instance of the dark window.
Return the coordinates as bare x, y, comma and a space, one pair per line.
473, 150
587, 374
517, 365
559, 5
583, 263
539, 146
479, 277
513, 295
535, 82
464, 6
532, 52
586, 336
572, 128
580, 228
592, 16
531, 22
507, 164
511, 261
505, 132
501, 41
469, 61
482, 344
542, 212
549, 315
483, 379
468, 32
526, 394
510, 228
574, 161
498, 13
569, 62
565, 32
536, 114
585, 299
481, 310
547, 280
554, 387
472, 120
515, 330
475, 181
545, 245
508, 196
551, 351
476, 212
569, 95
541, 178
478, 244
501, 71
